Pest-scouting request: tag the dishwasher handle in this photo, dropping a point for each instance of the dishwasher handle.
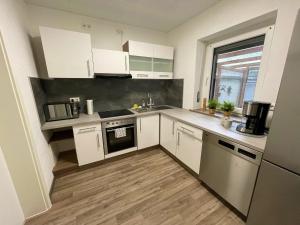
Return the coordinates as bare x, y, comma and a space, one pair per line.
246, 153
226, 144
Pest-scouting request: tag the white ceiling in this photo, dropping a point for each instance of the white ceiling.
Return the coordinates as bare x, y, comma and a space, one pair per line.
161, 15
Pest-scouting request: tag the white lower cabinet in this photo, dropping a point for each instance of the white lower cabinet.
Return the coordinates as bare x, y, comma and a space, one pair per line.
189, 146
148, 131
182, 140
168, 133
189, 150
88, 143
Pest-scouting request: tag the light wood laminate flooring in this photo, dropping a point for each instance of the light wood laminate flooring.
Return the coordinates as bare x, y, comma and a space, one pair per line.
146, 188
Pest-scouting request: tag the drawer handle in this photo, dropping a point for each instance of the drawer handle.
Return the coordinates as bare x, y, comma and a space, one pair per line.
90, 129
185, 129
246, 153
225, 144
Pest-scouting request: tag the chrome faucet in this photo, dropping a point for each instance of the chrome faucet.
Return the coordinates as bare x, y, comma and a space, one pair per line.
151, 102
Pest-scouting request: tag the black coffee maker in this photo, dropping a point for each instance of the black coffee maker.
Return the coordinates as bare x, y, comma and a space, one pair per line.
256, 114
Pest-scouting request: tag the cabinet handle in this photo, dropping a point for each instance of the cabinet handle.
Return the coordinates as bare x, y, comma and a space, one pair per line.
88, 67
125, 63
164, 75
178, 138
188, 130
140, 125
142, 75
173, 130
98, 140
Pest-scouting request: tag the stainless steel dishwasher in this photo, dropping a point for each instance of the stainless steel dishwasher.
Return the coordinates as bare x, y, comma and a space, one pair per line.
229, 169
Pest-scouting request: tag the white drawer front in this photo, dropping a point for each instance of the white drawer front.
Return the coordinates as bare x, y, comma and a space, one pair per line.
197, 133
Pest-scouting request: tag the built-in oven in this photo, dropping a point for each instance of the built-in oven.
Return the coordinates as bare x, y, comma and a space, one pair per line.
119, 135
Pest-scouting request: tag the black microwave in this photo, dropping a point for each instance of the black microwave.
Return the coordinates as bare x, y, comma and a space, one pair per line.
61, 111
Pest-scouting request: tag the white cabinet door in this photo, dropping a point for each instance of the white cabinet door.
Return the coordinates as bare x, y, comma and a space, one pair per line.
89, 143
137, 48
163, 52
67, 54
109, 61
168, 133
148, 131
189, 150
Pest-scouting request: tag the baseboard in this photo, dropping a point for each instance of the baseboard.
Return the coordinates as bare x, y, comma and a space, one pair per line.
28, 219
193, 173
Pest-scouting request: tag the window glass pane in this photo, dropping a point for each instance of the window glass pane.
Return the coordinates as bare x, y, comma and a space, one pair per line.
236, 74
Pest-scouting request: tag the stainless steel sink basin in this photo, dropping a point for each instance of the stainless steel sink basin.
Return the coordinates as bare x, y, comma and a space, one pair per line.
154, 108
161, 107
145, 110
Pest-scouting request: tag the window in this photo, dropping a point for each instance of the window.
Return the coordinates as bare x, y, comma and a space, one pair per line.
235, 70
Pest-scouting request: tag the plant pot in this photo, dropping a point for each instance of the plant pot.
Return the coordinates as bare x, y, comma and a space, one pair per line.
227, 114
212, 111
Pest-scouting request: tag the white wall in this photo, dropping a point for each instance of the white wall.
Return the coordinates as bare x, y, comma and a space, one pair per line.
225, 16
104, 33
10, 209
12, 18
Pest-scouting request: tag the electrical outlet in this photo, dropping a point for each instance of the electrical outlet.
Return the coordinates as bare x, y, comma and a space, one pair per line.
75, 99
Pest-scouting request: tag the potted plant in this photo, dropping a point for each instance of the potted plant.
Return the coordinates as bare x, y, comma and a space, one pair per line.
227, 108
212, 105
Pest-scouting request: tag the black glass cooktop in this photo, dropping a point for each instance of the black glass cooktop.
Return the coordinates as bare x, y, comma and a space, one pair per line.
114, 113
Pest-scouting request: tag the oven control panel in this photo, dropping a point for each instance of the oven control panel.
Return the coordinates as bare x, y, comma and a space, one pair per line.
117, 123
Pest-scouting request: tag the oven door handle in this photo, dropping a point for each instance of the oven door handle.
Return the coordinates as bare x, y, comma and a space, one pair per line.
112, 130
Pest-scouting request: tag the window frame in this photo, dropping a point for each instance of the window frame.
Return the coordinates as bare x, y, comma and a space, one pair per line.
236, 46
205, 81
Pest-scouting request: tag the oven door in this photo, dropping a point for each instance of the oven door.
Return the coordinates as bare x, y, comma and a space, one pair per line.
113, 144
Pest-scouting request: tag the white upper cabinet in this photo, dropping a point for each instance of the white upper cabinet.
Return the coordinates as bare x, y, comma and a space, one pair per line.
137, 48
109, 61
163, 52
68, 54
149, 61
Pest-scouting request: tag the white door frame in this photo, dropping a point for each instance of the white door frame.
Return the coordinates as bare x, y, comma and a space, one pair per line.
14, 118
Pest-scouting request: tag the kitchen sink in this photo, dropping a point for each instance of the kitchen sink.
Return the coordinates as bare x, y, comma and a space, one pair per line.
161, 107
154, 108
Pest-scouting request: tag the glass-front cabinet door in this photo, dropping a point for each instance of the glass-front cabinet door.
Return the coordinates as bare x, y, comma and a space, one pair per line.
162, 68
141, 67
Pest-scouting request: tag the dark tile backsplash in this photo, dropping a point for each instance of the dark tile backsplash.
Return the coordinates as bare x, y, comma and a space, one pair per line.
107, 93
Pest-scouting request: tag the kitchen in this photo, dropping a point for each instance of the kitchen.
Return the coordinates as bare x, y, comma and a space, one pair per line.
147, 120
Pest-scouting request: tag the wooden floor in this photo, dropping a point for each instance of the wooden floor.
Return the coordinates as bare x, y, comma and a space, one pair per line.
148, 188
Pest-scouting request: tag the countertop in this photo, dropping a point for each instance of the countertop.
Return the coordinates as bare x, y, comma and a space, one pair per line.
204, 122
213, 125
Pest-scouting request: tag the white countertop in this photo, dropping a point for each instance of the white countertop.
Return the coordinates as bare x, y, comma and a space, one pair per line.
213, 125
204, 122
